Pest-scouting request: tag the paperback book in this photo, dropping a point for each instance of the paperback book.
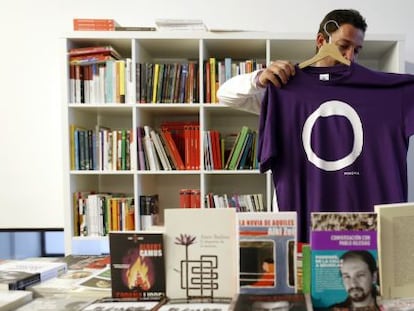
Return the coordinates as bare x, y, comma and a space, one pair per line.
343, 259
267, 252
395, 250
202, 253
137, 265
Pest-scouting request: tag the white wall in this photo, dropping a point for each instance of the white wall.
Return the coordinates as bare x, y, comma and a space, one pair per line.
30, 120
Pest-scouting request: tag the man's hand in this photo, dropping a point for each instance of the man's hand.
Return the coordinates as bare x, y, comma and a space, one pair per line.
278, 73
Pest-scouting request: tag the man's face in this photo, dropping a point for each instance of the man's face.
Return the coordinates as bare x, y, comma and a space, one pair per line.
357, 279
349, 41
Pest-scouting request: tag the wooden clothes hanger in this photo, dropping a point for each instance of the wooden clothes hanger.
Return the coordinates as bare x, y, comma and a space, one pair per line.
326, 50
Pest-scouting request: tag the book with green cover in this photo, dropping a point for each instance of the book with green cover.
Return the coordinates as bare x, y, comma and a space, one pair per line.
238, 147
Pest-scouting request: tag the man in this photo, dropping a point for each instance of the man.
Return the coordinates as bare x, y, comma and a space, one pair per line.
334, 136
246, 91
359, 275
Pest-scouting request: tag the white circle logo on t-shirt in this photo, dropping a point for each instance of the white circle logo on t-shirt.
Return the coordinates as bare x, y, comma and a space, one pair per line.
327, 109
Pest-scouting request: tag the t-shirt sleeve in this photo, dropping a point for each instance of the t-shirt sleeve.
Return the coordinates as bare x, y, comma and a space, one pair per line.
266, 148
409, 110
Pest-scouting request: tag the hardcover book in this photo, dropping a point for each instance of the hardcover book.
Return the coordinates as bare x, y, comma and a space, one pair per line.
280, 302
395, 250
46, 269
13, 280
343, 258
267, 252
202, 253
137, 265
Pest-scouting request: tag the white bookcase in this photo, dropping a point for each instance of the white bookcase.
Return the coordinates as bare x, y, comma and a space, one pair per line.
379, 52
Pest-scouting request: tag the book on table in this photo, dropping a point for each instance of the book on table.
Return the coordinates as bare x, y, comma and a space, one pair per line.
267, 252
343, 248
137, 265
202, 252
395, 250
45, 269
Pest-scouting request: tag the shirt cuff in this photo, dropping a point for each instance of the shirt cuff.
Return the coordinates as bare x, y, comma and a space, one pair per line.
256, 80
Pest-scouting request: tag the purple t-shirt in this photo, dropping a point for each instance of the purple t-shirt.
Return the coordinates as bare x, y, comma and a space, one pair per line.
336, 139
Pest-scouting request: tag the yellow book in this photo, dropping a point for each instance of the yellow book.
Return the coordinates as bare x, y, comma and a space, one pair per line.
121, 88
155, 82
213, 79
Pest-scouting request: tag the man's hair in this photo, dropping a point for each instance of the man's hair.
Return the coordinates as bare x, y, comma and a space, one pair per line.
352, 17
365, 256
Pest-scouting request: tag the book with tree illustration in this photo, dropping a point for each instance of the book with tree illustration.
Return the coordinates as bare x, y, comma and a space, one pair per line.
202, 253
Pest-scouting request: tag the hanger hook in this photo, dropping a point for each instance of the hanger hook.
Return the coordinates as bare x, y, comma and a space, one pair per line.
326, 31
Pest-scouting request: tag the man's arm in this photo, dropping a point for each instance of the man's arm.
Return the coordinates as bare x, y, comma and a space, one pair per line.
246, 91
242, 92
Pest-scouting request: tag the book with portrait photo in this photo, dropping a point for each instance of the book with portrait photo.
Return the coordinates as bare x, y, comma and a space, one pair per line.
344, 269
267, 245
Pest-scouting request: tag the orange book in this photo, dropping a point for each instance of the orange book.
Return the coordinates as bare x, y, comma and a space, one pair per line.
129, 213
114, 215
185, 198
94, 24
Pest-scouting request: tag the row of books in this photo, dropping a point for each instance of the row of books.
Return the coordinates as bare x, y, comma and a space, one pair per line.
175, 146
167, 83
240, 202
101, 148
179, 82
249, 256
99, 74
190, 198
105, 24
95, 214
243, 153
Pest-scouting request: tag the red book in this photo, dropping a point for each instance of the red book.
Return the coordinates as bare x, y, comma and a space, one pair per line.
172, 149
103, 49
185, 198
195, 198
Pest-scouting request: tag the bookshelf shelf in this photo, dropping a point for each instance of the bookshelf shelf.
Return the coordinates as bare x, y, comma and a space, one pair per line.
380, 52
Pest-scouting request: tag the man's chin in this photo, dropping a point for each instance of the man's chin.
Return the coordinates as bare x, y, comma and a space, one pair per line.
357, 294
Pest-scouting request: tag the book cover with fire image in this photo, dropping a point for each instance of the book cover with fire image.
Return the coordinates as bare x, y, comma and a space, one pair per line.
137, 265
